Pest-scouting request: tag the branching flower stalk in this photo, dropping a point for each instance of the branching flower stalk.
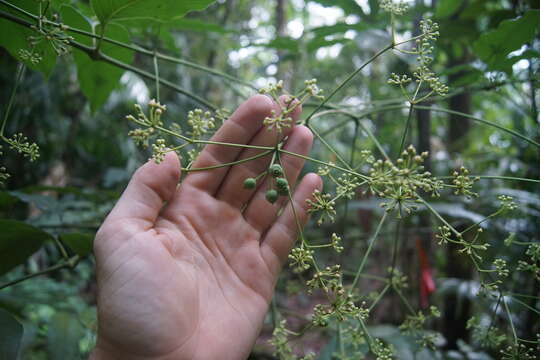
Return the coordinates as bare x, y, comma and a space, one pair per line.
399, 184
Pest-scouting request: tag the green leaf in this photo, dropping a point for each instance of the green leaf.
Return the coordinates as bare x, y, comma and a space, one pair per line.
349, 7
63, 336
6, 200
97, 78
156, 10
466, 75
17, 242
494, 46
374, 7
56, 4
13, 37
339, 28
447, 8
11, 333
281, 43
81, 243
198, 25
318, 43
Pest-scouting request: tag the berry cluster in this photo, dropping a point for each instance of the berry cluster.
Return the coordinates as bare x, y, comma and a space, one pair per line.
278, 181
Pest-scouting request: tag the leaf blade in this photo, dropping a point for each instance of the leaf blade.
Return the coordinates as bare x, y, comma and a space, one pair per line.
154, 10
11, 333
18, 241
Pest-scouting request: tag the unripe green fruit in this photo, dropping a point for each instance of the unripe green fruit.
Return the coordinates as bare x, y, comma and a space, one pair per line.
281, 183
276, 170
282, 186
250, 183
284, 191
271, 196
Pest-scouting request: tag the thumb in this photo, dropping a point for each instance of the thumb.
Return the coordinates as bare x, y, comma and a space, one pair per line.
149, 188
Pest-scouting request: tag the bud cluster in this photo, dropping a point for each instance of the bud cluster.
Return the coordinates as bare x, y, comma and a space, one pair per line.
400, 182
20, 143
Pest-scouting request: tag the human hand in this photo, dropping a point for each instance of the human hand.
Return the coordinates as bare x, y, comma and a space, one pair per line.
188, 272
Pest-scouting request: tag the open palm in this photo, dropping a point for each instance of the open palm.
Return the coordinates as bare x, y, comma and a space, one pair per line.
187, 272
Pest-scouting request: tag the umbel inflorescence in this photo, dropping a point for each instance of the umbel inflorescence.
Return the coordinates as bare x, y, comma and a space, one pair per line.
398, 184
401, 185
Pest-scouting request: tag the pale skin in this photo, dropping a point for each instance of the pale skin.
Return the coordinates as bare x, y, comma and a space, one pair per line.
188, 271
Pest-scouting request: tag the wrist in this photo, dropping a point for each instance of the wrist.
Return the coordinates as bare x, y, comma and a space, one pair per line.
105, 352
98, 354
102, 352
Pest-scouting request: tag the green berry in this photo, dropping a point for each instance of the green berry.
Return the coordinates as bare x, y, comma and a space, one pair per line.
281, 183
276, 170
284, 191
250, 183
271, 196
282, 186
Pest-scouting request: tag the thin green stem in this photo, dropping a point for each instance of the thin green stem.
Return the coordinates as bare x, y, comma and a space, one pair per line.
504, 178
156, 73
368, 251
340, 340
404, 300
61, 247
483, 121
379, 297
258, 156
493, 316
395, 247
481, 221
357, 119
524, 295
211, 142
375, 141
368, 335
526, 305
367, 276
436, 213
364, 177
275, 312
100, 38
510, 320
246, 146
424, 98
18, 78
406, 130
321, 246
347, 80
71, 262
474, 118
295, 214
527, 341
328, 146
